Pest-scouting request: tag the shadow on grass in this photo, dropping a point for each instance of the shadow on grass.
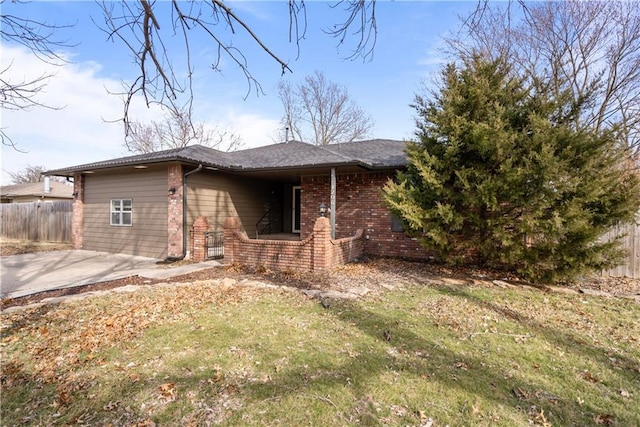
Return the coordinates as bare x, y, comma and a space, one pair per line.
569, 342
423, 361
394, 346
491, 384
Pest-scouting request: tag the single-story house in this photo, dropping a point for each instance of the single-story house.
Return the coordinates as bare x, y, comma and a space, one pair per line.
46, 191
148, 204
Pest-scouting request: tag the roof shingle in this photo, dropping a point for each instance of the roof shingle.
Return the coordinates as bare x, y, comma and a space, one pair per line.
36, 189
375, 153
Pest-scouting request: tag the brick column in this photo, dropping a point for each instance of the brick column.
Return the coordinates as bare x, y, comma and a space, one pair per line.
200, 226
231, 225
321, 244
77, 216
175, 227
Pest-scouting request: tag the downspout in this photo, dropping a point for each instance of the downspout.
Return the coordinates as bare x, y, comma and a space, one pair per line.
184, 208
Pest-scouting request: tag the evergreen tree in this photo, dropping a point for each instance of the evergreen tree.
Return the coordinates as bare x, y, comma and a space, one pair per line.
500, 176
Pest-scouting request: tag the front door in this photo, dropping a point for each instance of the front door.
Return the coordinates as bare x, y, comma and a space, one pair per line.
295, 208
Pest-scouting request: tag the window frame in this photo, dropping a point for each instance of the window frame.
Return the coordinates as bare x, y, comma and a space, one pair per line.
396, 224
120, 210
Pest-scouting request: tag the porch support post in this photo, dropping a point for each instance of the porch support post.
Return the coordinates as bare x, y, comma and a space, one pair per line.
77, 215
175, 212
198, 243
333, 203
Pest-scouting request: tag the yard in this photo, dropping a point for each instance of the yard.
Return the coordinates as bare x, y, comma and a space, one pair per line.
420, 345
16, 247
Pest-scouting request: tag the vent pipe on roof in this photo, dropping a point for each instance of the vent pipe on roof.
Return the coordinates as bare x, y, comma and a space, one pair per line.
47, 184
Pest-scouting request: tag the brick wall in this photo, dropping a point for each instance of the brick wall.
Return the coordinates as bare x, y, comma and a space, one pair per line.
77, 216
315, 253
198, 240
174, 211
358, 206
347, 249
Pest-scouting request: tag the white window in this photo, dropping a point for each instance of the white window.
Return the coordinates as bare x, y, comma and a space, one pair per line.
121, 212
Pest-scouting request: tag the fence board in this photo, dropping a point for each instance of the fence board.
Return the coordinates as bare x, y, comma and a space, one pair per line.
631, 242
37, 221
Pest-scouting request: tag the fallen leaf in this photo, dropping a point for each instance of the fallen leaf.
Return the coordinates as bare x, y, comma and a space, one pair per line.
589, 377
168, 391
520, 393
461, 365
475, 409
604, 419
111, 406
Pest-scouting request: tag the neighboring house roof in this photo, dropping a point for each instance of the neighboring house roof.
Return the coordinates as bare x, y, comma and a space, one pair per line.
59, 190
371, 154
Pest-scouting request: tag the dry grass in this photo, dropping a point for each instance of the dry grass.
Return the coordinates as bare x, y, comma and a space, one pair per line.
420, 349
16, 247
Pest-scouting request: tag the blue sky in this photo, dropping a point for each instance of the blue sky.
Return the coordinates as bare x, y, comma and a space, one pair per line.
407, 52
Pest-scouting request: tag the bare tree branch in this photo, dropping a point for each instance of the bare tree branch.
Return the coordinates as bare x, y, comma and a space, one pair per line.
139, 27
39, 38
362, 16
35, 35
177, 131
321, 112
589, 50
166, 78
27, 175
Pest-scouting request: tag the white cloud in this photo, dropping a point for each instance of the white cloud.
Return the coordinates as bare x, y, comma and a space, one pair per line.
254, 129
74, 134
80, 133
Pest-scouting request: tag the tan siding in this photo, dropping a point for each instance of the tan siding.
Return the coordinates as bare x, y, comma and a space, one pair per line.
218, 196
148, 234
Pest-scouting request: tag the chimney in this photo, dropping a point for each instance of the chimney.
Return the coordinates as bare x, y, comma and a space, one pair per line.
47, 184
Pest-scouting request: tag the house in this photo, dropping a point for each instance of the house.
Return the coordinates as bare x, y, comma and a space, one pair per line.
46, 191
149, 204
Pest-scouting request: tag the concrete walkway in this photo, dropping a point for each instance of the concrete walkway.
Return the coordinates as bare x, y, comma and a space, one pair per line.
43, 271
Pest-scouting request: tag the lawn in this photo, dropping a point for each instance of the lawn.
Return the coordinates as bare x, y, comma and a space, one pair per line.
16, 247
417, 351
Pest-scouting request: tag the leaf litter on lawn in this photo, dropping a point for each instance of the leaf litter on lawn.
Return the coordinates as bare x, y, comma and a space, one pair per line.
423, 330
63, 336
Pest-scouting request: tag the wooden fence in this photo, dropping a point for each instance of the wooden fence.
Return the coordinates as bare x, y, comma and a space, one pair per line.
37, 221
631, 242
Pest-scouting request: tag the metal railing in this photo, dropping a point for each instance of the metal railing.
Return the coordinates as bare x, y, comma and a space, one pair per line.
214, 244
264, 224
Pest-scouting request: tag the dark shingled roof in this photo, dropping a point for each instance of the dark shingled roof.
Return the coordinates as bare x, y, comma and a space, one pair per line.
375, 152
287, 155
191, 154
372, 154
